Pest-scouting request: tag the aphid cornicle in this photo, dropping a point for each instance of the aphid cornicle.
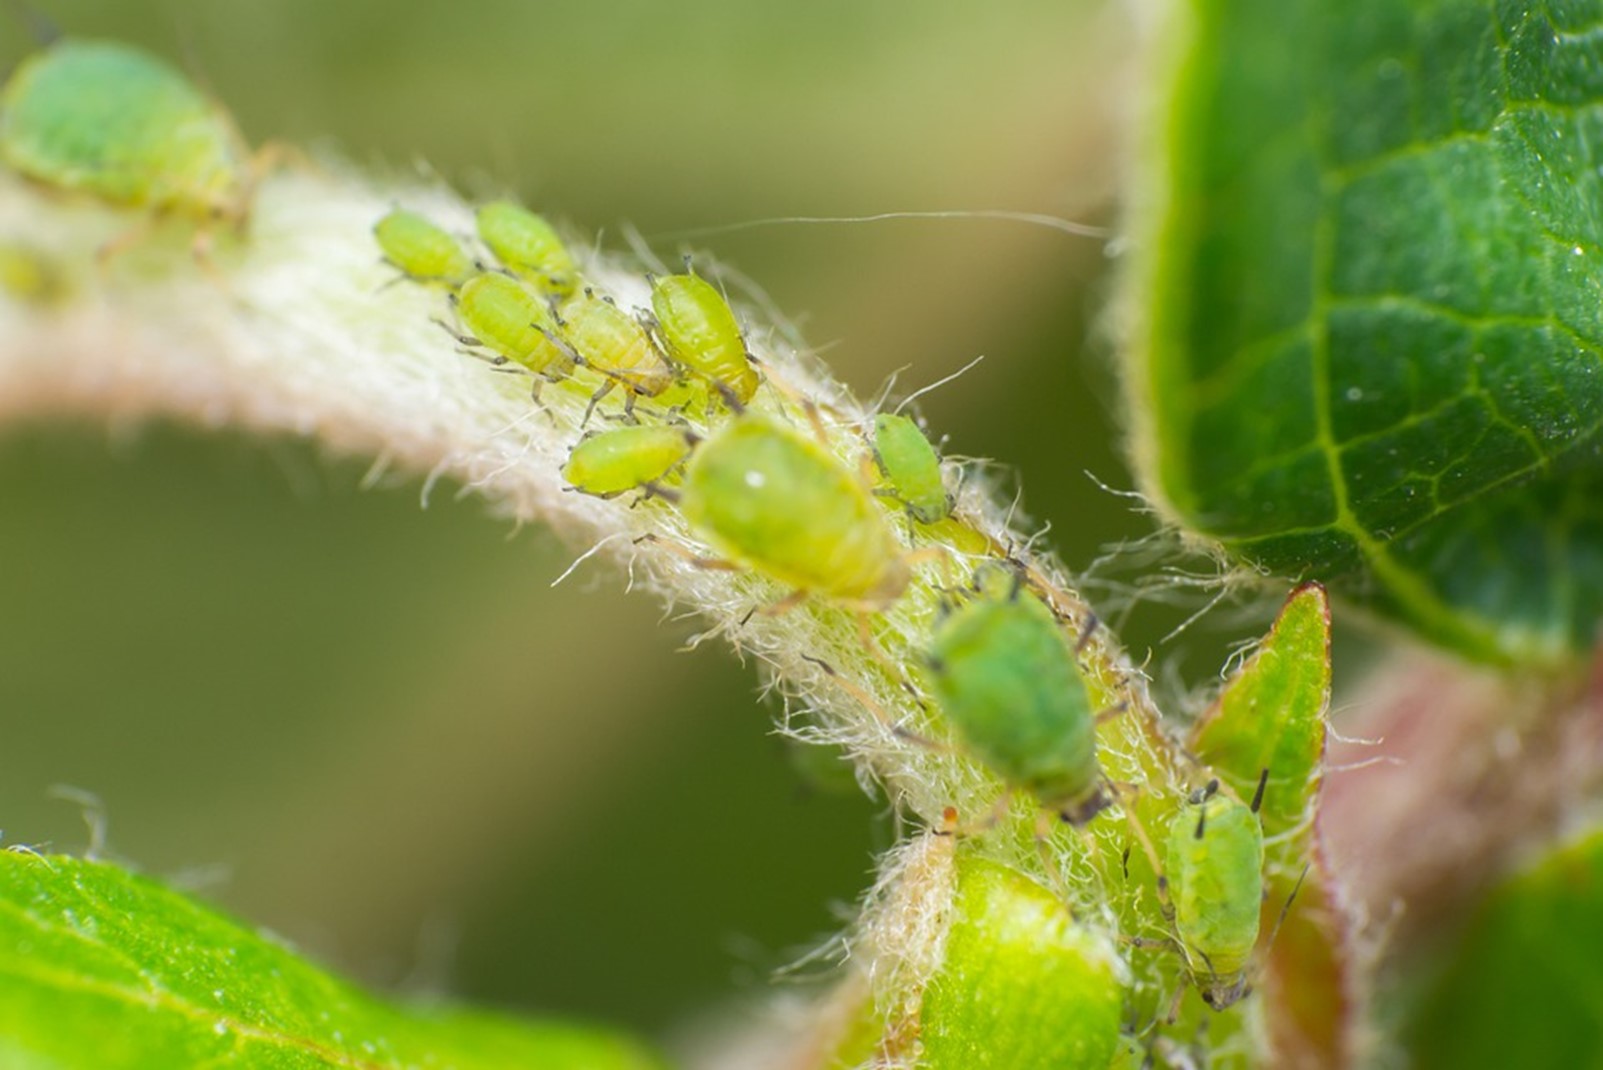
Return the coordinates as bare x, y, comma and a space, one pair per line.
612, 342
528, 246
1004, 676
775, 501
1214, 872
912, 467
499, 314
422, 250
698, 329
110, 120
626, 458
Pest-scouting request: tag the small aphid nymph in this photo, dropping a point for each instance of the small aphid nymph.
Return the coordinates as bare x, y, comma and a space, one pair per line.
698, 329
110, 120
610, 341
775, 501
613, 462
1005, 677
528, 246
502, 316
911, 467
421, 250
1214, 871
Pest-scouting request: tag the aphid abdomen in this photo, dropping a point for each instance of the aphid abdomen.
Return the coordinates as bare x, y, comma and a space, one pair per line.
1216, 886
1005, 678
421, 250
508, 319
912, 467
528, 246
112, 121
624, 459
699, 330
612, 342
777, 502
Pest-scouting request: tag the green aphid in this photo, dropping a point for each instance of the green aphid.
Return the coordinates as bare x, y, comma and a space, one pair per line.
613, 462
615, 344
1005, 677
110, 120
780, 504
421, 250
528, 246
699, 330
912, 467
503, 317
1214, 872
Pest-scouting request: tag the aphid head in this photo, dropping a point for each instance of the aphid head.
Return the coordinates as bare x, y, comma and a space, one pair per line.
1223, 993
1081, 811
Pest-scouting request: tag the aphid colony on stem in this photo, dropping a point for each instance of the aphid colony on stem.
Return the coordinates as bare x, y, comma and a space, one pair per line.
1002, 669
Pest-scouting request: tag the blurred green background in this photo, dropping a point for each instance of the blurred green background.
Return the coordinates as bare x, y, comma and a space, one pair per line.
374, 728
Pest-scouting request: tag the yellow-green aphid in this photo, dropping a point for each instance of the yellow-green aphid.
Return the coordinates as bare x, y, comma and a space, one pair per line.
1214, 871
912, 467
528, 246
110, 120
1006, 678
612, 462
777, 502
499, 314
421, 250
699, 330
614, 343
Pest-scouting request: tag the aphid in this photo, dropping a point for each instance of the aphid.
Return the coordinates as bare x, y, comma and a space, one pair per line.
612, 342
499, 314
699, 330
612, 462
421, 250
110, 120
777, 502
528, 246
1214, 874
912, 467
1005, 678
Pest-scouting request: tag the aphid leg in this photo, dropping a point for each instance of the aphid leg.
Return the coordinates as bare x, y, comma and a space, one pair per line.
595, 399
121, 243
951, 826
865, 633
712, 564
869, 703
785, 604
1113, 712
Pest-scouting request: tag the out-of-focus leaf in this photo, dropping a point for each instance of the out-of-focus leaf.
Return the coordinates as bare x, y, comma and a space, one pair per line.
100, 968
1525, 986
1370, 310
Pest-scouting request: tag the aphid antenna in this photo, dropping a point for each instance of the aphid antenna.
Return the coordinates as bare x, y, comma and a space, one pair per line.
1257, 796
921, 391
1050, 222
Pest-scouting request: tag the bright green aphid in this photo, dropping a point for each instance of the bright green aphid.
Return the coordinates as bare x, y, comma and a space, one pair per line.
528, 246
514, 324
1214, 872
699, 330
109, 120
1022, 984
779, 503
1006, 679
422, 250
912, 467
612, 342
612, 462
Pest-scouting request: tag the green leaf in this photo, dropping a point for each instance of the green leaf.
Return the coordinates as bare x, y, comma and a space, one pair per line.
1271, 715
1525, 986
1370, 306
1023, 983
102, 968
